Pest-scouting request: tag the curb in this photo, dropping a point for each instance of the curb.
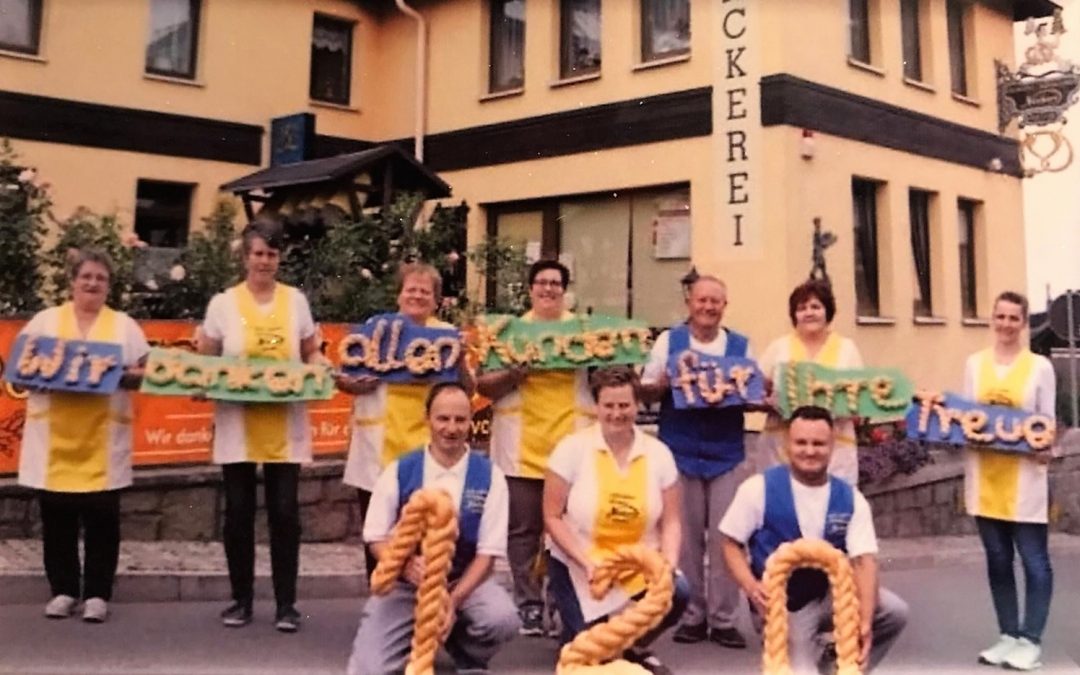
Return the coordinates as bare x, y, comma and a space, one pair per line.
31, 587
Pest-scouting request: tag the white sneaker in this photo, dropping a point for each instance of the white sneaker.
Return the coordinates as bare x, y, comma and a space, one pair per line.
1024, 656
60, 607
95, 610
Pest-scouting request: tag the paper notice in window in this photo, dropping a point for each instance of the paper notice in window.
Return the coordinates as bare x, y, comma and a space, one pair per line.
671, 237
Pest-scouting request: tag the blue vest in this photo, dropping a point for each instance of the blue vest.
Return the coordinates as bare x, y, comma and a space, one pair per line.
410, 475
782, 525
706, 442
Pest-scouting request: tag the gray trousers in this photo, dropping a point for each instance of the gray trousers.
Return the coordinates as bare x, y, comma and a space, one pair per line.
524, 537
704, 504
810, 628
486, 620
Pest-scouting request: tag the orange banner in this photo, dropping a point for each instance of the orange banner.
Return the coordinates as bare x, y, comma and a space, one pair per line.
173, 429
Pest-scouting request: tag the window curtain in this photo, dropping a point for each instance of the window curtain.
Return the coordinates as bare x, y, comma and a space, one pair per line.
580, 37
909, 27
666, 28
507, 44
170, 47
919, 206
865, 201
968, 282
16, 23
330, 38
859, 22
957, 58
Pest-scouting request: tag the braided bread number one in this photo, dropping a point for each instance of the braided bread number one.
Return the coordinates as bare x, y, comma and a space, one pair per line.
823, 556
607, 640
428, 519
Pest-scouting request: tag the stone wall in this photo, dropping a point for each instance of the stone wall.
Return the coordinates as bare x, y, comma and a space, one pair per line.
930, 502
187, 503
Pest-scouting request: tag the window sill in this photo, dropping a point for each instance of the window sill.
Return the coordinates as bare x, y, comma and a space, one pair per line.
975, 322
509, 93
865, 67
577, 79
661, 62
930, 321
875, 321
333, 106
919, 84
23, 56
154, 77
965, 100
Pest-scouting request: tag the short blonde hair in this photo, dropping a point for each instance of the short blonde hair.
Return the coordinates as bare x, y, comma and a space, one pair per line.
421, 269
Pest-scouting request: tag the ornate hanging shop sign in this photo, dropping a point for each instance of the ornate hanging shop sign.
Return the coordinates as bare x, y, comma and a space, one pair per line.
501, 341
950, 419
1037, 96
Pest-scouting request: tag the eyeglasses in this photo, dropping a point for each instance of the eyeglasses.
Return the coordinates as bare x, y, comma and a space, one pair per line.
550, 283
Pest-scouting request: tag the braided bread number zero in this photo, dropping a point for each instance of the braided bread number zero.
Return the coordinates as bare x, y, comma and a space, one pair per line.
428, 519
609, 639
821, 555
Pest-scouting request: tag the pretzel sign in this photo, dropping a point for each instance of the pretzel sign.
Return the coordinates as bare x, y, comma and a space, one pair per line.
821, 555
609, 639
428, 519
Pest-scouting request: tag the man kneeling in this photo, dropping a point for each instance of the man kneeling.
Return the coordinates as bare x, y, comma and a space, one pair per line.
801, 500
482, 615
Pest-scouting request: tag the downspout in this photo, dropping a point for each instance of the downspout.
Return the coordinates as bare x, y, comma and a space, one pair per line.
421, 76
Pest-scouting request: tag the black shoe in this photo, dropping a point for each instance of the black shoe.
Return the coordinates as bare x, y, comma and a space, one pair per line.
646, 660
287, 619
688, 634
727, 637
532, 620
237, 614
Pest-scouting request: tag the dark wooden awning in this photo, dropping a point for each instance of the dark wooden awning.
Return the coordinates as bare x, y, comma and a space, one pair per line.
385, 170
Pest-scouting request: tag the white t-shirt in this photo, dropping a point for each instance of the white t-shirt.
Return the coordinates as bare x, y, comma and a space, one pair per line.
224, 323
658, 357
746, 515
383, 509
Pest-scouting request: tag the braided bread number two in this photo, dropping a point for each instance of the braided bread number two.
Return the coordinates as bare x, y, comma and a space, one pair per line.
428, 519
823, 556
609, 639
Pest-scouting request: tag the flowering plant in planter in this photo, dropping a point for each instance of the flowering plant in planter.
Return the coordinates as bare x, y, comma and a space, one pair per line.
886, 451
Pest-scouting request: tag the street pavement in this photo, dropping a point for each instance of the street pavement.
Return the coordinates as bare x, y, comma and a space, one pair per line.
951, 620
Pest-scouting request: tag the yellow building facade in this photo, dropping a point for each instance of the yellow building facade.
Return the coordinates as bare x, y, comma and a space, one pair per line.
633, 138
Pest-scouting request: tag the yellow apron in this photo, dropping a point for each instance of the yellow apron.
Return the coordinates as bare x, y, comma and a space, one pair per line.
621, 511
79, 424
999, 472
828, 356
542, 391
266, 336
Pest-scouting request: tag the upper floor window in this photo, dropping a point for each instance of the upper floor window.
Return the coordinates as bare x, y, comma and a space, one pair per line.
665, 28
174, 38
909, 35
20, 25
331, 59
507, 35
859, 30
163, 212
957, 13
579, 37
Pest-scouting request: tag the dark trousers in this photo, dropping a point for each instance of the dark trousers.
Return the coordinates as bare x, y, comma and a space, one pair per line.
573, 621
1000, 538
281, 481
525, 538
62, 516
370, 561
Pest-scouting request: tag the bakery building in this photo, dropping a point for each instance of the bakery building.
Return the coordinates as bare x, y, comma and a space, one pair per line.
632, 138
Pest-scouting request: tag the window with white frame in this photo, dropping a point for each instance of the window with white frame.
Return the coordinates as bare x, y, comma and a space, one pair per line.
665, 29
174, 37
579, 37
